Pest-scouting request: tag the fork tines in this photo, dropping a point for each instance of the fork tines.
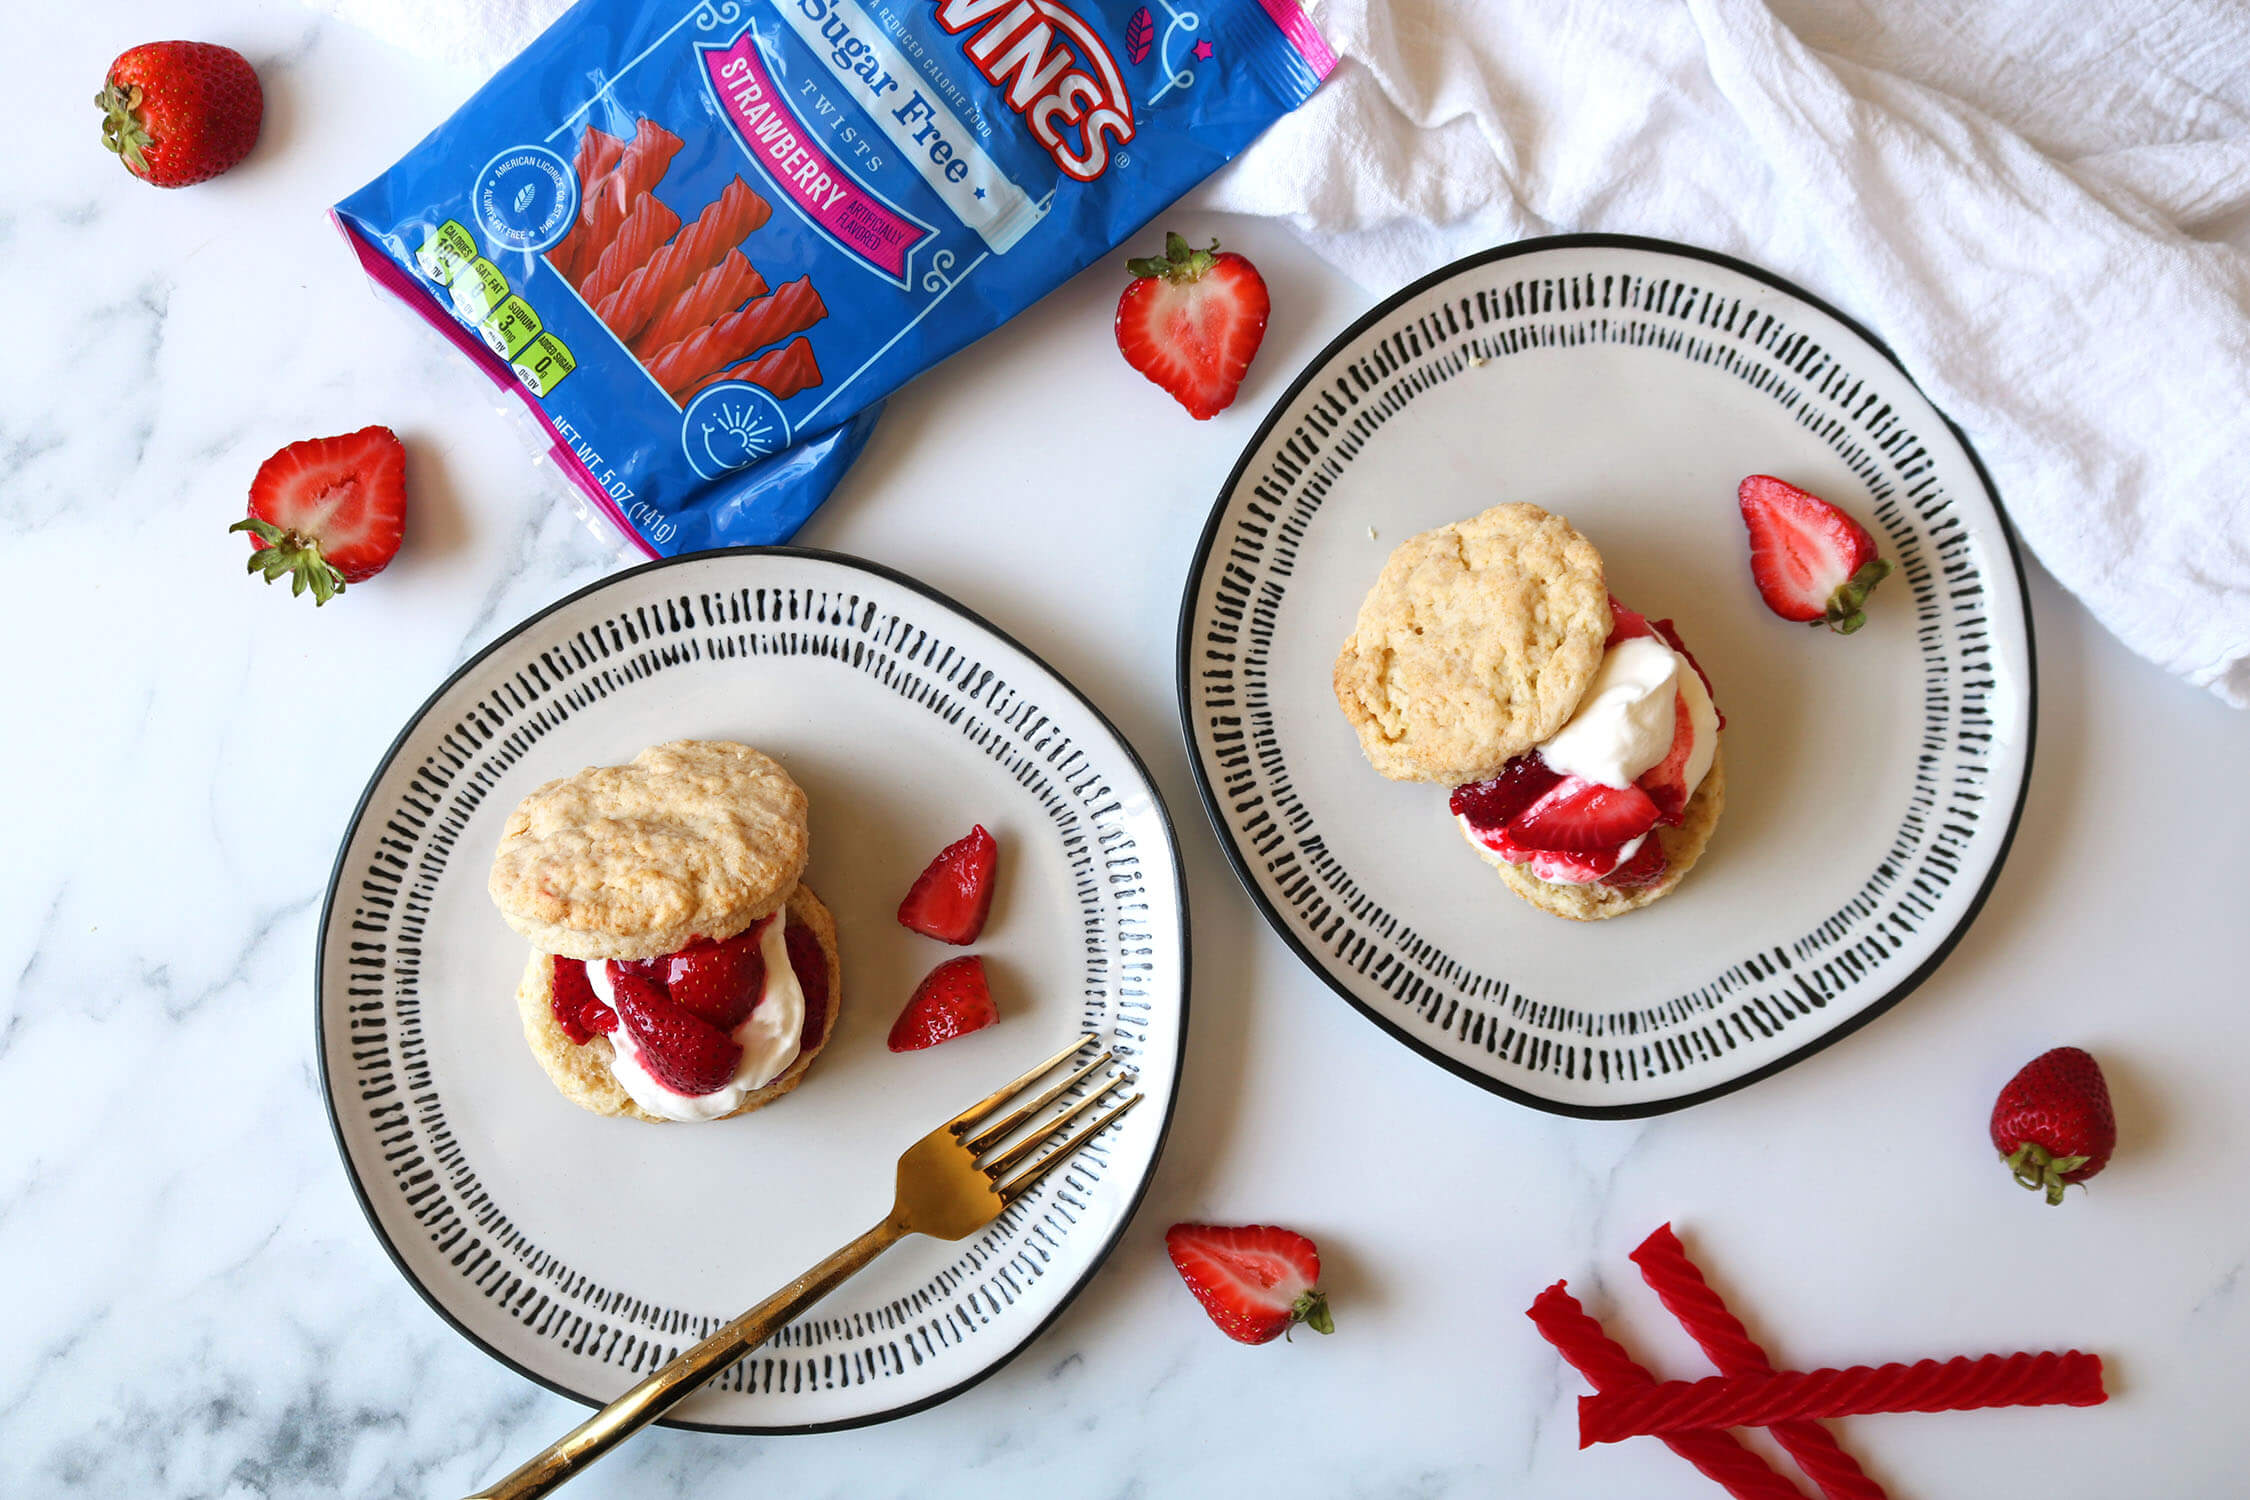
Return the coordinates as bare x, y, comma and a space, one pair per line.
988, 1136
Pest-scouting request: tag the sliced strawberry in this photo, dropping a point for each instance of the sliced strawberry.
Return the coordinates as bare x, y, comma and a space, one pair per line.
328, 511
1666, 781
1646, 866
1671, 636
572, 1000
1191, 320
1491, 804
720, 982
1812, 562
953, 1000
950, 900
1257, 1281
1561, 867
810, 965
1624, 624
684, 1052
1584, 817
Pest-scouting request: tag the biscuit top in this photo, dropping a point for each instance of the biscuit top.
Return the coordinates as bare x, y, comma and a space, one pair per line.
1474, 645
695, 838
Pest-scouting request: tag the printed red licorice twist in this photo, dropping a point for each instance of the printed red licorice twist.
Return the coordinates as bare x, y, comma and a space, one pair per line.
639, 168
724, 223
597, 152
790, 309
648, 226
784, 372
1680, 1286
1607, 1367
717, 292
1959, 1384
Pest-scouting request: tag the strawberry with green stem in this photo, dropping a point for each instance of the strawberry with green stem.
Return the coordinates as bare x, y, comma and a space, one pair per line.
328, 512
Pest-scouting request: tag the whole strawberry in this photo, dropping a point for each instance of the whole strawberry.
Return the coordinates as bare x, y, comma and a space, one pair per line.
2053, 1124
180, 112
1255, 1280
1191, 320
328, 511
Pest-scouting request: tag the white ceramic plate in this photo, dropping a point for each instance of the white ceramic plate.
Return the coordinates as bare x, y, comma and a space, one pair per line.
1873, 782
584, 1251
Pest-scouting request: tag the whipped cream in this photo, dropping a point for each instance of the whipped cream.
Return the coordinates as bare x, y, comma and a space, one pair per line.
769, 1037
1625, 721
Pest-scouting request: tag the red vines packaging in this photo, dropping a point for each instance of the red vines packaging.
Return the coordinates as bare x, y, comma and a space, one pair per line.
702, 240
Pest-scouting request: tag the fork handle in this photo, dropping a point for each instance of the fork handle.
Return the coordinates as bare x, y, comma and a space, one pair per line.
667, 1387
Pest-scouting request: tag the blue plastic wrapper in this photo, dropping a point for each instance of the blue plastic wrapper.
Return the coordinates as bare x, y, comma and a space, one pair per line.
703, 241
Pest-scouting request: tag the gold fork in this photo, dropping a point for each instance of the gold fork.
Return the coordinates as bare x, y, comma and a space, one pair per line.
951, 1183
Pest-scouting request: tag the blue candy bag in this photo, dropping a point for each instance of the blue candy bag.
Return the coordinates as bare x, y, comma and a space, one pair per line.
703, 239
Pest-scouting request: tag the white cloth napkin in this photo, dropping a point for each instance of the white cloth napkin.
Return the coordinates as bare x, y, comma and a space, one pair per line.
2045, 213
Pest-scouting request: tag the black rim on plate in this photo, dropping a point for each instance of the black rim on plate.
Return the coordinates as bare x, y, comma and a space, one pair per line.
1225, 832
382, 768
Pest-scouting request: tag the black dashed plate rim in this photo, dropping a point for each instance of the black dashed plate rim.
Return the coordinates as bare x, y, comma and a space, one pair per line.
1237, 858
1166, 1104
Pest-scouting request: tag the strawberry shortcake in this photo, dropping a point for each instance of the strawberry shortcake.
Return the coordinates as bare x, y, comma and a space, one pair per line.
680, 970
1580, 738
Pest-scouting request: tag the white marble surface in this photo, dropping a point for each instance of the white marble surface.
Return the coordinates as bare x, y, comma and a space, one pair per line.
197, 1308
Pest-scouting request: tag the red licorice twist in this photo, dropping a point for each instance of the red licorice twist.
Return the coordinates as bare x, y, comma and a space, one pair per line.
717, 292
597, 152
788, 310
649, 225
724, 223
1726, 1343
784, 372
1607, 1367
1959, 1384
602, 215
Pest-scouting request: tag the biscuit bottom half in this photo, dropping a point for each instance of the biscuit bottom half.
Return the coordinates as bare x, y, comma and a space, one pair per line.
583, 1073
1595, 902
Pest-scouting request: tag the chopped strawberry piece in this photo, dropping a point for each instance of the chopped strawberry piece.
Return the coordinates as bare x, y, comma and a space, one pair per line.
1624, 624
1491, 804
572, 1000
951, 898
1812, 563
684, 1052
810, 964
1256, 1281
1646, 866
720, 982
953, 1000
1666, 781
1671, 636
1584, 817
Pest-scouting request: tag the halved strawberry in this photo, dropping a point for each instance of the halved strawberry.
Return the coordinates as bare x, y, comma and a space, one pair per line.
1812, 562
952, 1000
1191, 320
951, 898
1256, 1281
1584, 817
684, 1052
1646, 866
1666, 781
720, 982
1491, 804
328, 511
